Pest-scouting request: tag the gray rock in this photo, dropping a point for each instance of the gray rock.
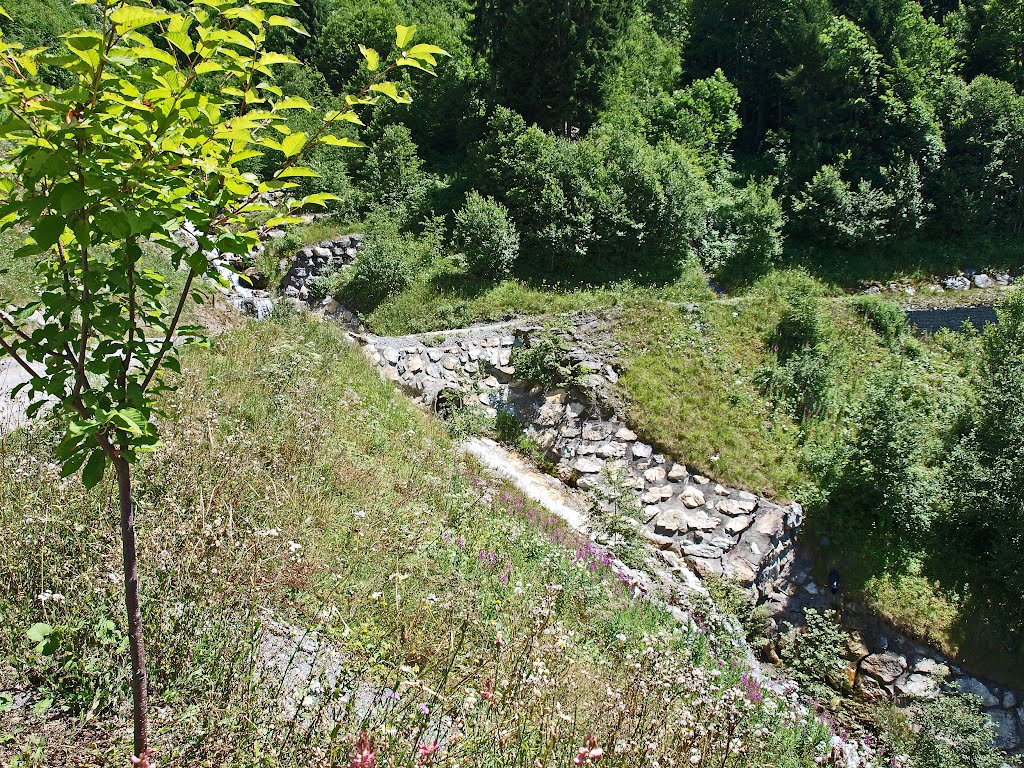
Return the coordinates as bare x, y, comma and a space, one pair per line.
653, 475
736, 506
971, 686
594, 430
392, 356
626, 435
612, 450
642, 451
1009, 700
929, 666
918, 686
981, 280
702, 550
1004, 729
956, 283
588, 466
701, 521
677, 472
883, 666
656, 494
692, 497
739, 524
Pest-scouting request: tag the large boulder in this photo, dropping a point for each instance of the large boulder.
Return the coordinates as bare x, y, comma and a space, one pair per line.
885, 667
971, 686
1004, 729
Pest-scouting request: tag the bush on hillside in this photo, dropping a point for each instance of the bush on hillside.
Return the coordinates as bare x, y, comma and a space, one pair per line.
885, 317
799, 375
884, 488
486, 237
952, 732
814, 653
386, 265
749, 222
985, 470
392, 178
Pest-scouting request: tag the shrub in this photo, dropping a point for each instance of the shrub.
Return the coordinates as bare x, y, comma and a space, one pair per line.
814, 653
884, 486
393, 178
833, 210
385, 267
886, 318
543, 361
985, 470
748, 222
953, 732
486, 237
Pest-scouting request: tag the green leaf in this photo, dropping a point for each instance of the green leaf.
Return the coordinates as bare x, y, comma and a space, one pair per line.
271, 59
86, 45
339, 141
94, 468
404, 35
181, 41
292, 24
320, 199
297, 171
4, 13
253, 15
48, 230
404, 62
347, 115
426, 52
371, 56
149, 52
293, 102
129, 17
291, 145
131, 419
39, 632
391, 90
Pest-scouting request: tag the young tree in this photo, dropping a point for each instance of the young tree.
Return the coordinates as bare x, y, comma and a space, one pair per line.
160, 111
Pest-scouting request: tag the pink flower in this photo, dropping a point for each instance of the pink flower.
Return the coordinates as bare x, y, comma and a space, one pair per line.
426, 752
364, 754
589, 753
142, 761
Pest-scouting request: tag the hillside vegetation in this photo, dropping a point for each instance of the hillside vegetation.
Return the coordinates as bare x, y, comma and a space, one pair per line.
630, 159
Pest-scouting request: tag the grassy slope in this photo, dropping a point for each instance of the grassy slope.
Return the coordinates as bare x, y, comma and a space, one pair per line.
442, 296
691, 386
293, 483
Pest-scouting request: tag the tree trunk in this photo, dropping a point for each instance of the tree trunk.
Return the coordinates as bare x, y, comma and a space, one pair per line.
131, 602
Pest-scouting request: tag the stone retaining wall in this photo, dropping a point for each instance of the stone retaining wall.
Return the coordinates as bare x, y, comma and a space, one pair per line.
713, 529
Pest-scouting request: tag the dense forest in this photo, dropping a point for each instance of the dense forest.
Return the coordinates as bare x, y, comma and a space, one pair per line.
622, 137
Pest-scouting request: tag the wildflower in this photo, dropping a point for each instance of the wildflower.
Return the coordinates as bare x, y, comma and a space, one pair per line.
426, 752
364, 754
294, 546
487, 694
589, 753
424, 709
142, 761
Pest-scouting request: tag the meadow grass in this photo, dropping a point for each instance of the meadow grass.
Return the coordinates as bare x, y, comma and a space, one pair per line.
294, 488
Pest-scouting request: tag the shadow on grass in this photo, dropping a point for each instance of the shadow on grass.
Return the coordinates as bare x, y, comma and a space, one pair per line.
923, 593
884, 262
